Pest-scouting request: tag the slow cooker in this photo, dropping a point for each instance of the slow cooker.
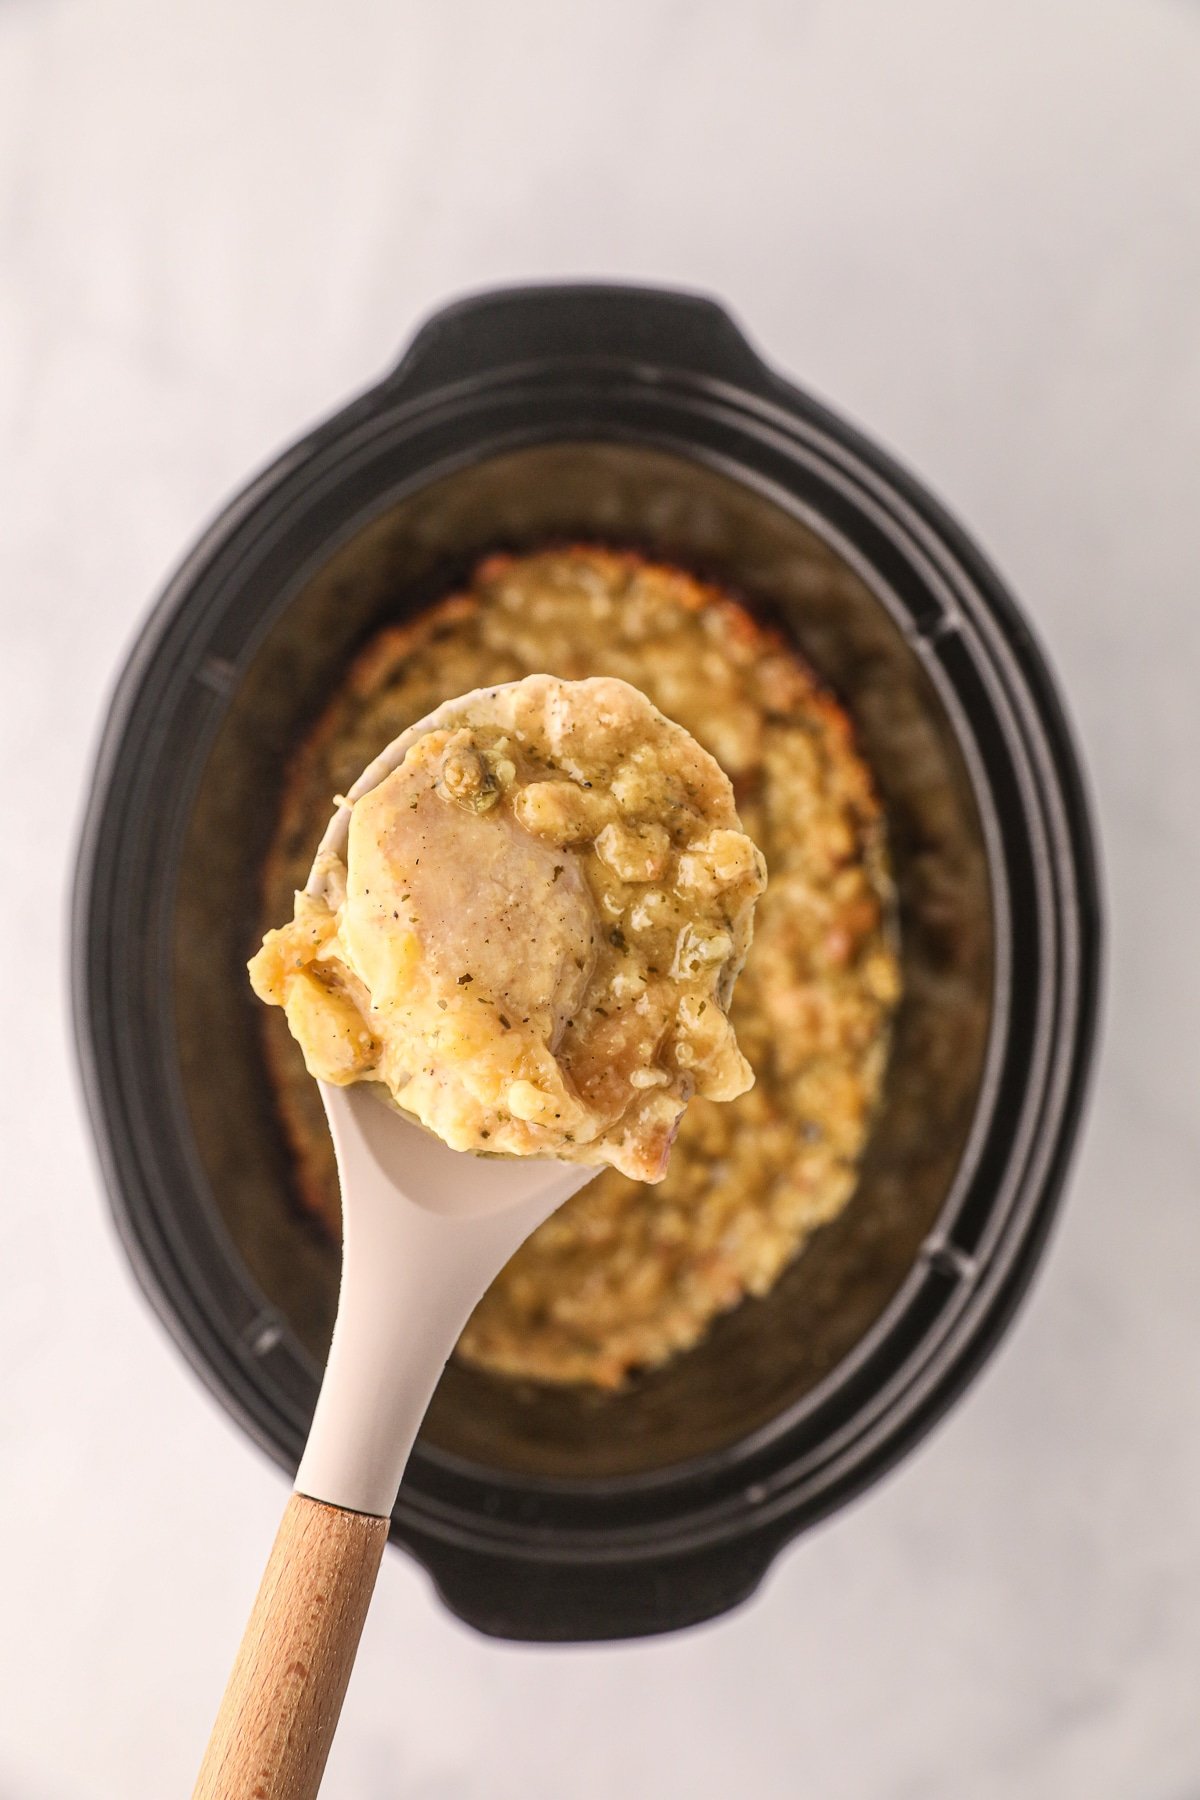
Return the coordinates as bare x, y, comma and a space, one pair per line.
640, 418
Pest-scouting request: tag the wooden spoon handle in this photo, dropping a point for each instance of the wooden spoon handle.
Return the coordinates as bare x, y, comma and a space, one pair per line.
281, 1707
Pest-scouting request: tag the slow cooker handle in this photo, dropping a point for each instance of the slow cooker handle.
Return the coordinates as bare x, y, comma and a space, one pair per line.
656, 327
548, 1602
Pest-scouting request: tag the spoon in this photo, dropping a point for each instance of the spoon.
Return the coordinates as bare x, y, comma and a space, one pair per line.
425, 1231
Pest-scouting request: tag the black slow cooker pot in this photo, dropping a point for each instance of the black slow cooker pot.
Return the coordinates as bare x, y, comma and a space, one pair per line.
639, 418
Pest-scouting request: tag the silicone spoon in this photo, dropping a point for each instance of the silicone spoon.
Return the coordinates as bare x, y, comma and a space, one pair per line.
425, 1230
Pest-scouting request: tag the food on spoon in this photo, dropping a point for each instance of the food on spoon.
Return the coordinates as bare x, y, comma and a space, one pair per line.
533, 941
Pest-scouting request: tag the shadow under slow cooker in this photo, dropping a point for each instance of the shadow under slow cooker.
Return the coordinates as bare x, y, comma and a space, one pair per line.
768, 1358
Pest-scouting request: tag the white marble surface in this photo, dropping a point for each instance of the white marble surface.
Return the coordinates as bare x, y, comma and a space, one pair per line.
977, 229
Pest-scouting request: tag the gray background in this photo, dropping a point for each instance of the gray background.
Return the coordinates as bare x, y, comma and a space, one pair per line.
975, 229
